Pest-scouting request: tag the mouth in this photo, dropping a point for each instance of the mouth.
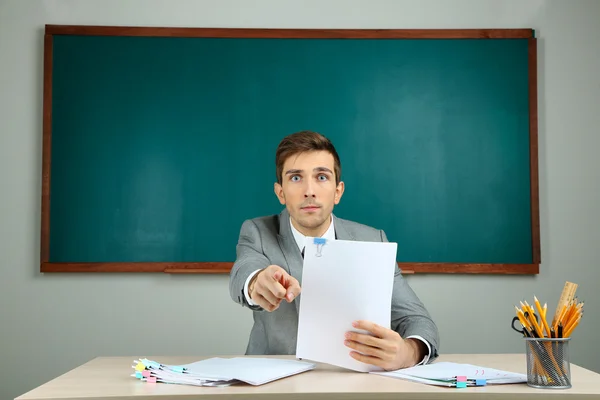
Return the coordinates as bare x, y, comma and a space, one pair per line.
310, 208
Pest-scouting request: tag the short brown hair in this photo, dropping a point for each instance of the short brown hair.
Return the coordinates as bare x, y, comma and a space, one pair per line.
301, 142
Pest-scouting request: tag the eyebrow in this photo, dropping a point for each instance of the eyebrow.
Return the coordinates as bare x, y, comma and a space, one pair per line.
323, 169
317, 169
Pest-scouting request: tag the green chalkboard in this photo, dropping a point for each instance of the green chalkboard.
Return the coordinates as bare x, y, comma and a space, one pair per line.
161, 146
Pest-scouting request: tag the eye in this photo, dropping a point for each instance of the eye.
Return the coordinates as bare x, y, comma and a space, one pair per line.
323, 177
295, 178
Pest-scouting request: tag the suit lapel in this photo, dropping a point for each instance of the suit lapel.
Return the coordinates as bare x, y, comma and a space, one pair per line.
340, 229
289, 247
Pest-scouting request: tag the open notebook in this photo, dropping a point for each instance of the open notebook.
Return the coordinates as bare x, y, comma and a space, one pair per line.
455, 375
220, 371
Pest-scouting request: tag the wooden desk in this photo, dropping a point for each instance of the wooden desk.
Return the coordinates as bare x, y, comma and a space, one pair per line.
109, 378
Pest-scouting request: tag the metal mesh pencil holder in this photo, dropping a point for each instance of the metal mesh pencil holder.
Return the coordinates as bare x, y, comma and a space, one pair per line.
548, 365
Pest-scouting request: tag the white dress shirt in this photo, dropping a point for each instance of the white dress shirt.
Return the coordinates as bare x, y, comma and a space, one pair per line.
330, 235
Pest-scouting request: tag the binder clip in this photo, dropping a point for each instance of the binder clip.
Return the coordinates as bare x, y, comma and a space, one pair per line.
320, 242
461, 381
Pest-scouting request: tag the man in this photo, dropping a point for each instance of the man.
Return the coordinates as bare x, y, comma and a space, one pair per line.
267, 274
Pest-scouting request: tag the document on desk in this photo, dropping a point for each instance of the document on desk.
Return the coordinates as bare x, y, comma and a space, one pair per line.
218, 371
455, 374
342, 281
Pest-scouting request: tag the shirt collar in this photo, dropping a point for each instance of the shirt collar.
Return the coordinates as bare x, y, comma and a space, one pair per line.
300, 238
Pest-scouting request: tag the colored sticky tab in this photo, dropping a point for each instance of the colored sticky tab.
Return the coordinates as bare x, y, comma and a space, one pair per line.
461, 379
177, 368
319, 241
146, 373
140, 367
461, 384
138, 374
151, 364
480, 382
151, 379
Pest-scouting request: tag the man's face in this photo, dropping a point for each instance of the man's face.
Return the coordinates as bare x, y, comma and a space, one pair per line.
309, 191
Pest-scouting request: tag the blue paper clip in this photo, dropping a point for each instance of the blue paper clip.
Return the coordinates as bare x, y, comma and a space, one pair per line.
320, 242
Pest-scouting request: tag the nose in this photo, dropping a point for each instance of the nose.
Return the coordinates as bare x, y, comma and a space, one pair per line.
310, 192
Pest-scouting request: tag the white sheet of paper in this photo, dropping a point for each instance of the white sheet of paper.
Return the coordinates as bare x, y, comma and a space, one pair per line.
349, 281
218, 371
258, 371
449, 370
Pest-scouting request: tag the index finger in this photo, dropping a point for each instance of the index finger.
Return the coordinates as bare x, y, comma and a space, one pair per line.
276, 288
293, 289
377, 330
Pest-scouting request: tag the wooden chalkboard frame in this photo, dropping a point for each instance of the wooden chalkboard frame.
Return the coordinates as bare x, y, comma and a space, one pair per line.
225, 267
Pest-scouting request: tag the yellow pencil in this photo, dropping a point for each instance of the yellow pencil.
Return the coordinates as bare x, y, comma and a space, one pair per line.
570, 323
537, 328
558, 319
572, 328
572, 317
568, 314
542, 316
546, 321
522, 319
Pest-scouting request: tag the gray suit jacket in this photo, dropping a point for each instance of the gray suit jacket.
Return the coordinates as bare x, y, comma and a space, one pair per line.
269, 240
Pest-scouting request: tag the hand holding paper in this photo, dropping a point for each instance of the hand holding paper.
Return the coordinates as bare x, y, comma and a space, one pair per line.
383, 347
344, 281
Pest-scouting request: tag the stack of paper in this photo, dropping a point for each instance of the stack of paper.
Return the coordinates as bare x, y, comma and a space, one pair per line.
457, 375
219, 371
343, 281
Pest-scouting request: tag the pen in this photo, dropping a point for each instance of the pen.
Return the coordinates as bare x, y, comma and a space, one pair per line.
560, 330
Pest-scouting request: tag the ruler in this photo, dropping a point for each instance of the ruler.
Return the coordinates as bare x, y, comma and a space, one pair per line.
567, 295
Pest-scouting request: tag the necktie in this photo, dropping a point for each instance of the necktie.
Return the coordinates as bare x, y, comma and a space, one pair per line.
303, 252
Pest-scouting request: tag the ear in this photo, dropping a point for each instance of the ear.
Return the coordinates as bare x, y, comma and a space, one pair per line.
278, 189
339, 191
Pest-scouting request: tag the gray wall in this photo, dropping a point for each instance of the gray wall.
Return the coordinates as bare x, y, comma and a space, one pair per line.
56, 322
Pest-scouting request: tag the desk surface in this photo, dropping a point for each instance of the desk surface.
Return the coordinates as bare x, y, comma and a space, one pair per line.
109, 378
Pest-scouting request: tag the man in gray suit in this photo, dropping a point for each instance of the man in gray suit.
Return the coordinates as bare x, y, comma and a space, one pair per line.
267, 274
